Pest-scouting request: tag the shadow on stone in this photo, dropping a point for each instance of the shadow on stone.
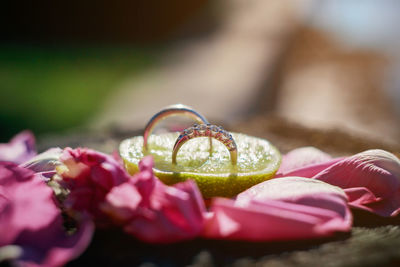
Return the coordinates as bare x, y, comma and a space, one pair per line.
368, 219
114, 248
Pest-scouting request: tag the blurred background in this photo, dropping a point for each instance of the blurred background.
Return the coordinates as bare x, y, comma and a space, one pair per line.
96, 65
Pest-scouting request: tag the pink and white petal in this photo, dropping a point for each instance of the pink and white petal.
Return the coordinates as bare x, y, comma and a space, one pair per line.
281, 209
288, 188
272, 220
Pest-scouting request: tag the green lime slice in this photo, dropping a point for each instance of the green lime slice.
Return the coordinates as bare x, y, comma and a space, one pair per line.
214, 174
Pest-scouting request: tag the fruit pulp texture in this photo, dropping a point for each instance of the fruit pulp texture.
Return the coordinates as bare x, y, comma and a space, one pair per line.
213, 172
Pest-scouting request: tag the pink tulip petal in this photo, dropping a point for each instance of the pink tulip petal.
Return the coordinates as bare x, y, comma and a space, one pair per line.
297, 190
361, 196
373, 176
280, 209
288, 188
21, 148
273, 220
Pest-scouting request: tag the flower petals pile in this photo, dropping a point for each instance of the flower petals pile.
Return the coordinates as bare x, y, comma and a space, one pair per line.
309, 198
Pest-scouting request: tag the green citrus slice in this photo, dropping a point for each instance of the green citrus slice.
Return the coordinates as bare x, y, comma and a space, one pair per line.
214, 174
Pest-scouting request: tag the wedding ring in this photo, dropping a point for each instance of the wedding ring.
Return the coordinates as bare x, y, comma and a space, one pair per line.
173, 110
206, 130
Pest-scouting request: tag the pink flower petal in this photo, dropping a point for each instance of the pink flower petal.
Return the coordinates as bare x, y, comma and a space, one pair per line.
52, 246
121, 201
302, 157
305, 162
288, 188
17, 188
371, 179
20, 149
310, 170
156, 213
90, 175
281, 209
170, 219
30, 220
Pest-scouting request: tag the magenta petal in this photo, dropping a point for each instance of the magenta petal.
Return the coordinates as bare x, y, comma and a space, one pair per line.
55, 247
89, 175
281, 209
372, 180
70, 247
25, 202
195, 210
20, 149
121, 201
30, 219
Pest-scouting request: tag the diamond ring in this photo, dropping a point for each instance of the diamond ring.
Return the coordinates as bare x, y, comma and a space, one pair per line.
206, 130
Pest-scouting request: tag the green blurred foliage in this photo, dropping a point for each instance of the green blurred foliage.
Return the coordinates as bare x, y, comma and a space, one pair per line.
49, 89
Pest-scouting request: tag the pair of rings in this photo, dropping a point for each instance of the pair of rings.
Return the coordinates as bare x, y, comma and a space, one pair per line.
202, 129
